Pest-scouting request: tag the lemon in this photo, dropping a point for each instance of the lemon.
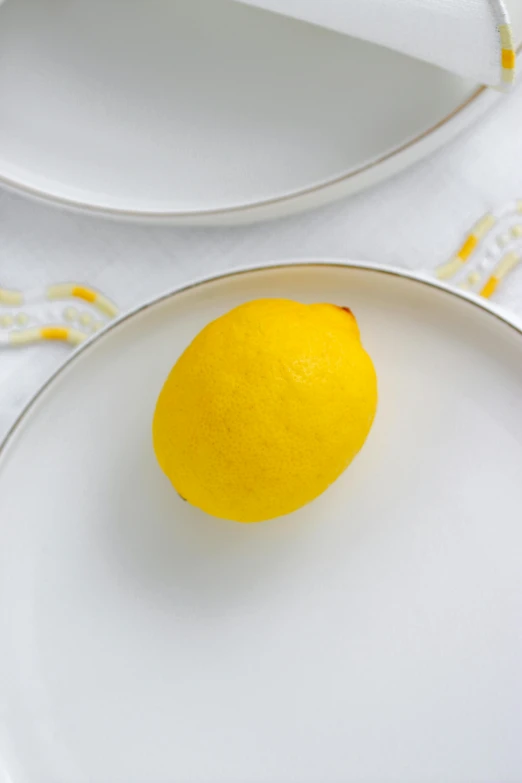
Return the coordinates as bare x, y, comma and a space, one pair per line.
265, 409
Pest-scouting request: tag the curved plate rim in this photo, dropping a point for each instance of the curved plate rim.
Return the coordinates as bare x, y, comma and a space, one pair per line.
292, 201
422, 279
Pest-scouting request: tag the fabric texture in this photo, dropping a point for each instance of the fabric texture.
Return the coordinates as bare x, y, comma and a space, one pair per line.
468, 37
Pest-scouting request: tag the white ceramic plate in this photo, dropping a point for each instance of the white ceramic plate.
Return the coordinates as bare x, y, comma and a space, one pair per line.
207, 111
373, 636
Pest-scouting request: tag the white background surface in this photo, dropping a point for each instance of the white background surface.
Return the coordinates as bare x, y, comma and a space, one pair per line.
416, 220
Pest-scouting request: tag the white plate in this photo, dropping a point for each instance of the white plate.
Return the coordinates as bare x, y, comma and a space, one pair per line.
206, 110
373, 636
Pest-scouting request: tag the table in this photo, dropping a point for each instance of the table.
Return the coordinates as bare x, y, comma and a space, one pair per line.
416, 220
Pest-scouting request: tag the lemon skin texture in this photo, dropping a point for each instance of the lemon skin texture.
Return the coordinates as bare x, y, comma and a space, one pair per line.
265, 409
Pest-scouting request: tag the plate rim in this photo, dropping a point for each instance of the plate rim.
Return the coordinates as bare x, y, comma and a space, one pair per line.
286, 203
424, 279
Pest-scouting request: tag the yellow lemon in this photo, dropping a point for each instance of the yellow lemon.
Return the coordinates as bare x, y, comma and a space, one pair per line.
265, 409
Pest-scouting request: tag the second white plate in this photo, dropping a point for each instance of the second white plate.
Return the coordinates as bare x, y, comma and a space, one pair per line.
206, 110
372, 636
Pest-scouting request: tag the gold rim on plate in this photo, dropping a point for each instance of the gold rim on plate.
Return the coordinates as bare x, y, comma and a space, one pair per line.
241, 209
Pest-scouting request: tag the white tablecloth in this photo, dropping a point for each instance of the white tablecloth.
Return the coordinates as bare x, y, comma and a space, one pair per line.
417, 220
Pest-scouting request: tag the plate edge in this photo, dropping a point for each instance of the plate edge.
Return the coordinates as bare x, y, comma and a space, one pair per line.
252, 211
